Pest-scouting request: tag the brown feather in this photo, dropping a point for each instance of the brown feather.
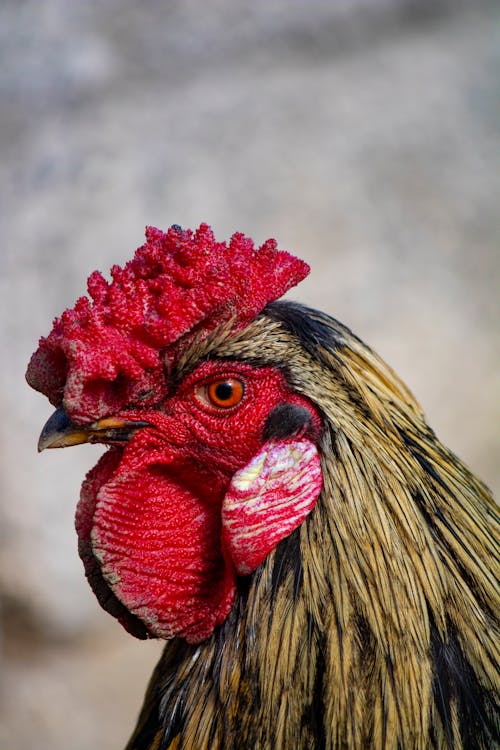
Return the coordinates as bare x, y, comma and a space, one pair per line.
375, 624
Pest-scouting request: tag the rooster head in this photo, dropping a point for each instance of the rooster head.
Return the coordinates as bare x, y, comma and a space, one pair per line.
212, 461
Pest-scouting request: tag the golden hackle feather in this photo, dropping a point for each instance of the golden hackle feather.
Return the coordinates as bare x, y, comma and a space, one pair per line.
356, 631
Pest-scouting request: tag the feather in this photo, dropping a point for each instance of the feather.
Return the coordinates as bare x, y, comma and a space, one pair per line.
374, 624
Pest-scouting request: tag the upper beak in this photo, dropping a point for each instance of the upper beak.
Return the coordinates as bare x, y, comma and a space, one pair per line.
60, 432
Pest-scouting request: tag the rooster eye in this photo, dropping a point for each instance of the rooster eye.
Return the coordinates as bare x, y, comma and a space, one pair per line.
223, 393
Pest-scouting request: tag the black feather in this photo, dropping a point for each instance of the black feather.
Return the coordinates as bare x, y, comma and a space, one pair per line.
286, 420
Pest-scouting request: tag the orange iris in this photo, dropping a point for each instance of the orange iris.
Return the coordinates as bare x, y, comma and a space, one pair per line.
225, 393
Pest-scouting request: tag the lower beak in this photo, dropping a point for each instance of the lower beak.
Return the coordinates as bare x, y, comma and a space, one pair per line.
60, 432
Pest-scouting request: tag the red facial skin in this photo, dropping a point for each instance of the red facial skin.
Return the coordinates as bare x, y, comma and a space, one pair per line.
150, 513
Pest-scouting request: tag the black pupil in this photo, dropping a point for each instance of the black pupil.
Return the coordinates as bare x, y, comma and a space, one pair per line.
224, 391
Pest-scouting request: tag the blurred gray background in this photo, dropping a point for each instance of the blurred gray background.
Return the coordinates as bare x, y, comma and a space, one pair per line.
361, 134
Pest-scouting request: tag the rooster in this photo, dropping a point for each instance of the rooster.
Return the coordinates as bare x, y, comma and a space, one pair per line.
273, 504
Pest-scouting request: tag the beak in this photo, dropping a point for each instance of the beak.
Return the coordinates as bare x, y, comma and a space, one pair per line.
60, 432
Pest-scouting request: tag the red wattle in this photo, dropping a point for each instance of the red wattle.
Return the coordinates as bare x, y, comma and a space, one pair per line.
158, 549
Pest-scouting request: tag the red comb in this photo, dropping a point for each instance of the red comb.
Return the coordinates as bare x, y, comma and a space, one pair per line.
109, 351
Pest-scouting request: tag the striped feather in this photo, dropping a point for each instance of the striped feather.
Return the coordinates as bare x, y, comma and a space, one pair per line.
375, 623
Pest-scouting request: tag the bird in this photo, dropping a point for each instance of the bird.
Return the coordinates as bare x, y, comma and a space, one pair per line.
273, 504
